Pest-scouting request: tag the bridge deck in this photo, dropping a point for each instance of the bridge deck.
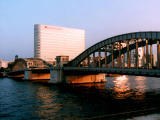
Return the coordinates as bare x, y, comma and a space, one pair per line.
124, 71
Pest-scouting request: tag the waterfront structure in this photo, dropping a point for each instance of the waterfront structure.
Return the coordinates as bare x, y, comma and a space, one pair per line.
4, 64
105, 57
52, 41
29, 68
24, 63
61, 60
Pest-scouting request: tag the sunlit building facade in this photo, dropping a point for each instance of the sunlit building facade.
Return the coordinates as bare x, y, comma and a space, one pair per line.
4, 64
52, 41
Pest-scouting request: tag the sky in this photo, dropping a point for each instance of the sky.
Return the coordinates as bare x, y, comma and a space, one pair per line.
100, 19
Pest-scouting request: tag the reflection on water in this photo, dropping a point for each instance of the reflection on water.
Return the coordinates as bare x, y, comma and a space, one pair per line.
122, 87
140, 87
121, 94
98, 86
48, 106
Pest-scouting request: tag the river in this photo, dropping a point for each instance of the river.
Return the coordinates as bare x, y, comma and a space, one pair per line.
120, 98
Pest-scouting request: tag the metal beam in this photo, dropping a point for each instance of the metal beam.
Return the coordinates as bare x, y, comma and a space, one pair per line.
99, 58
158, 54
93, 59
151, 56
124, 60
137, 60
112, 40
147, 55
119, 57
88, 61
112, 56
128, 55
106, 65
143, 57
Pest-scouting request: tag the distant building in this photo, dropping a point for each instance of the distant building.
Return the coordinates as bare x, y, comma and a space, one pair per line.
52, 41
60, 60
141, 56
23, 63
4, 64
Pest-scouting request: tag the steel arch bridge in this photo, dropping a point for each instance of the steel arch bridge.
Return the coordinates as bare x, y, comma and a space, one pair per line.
132, 50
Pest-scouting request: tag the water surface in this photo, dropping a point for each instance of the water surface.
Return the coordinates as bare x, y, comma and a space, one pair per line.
120, 98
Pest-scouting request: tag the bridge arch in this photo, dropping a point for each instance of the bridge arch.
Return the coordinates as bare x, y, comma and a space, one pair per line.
143, 36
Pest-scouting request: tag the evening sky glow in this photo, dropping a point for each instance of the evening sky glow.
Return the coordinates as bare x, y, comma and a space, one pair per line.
99, 18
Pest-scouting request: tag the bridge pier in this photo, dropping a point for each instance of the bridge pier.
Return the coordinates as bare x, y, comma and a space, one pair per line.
30, 74
27, 74
56, 76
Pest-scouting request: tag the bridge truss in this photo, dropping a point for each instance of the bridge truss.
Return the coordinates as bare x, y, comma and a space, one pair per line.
132, 50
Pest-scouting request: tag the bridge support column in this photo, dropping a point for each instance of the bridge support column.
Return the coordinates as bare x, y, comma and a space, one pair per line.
27, 74
147, 58
158, 54
143, 57
128, 55
124, 60
56, 76
119, 57
106, 65
94, 59
88, 61
99, 58
112, 56
151, 56
137, 60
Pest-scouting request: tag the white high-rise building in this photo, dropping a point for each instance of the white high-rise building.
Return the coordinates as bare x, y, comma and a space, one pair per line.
52, 41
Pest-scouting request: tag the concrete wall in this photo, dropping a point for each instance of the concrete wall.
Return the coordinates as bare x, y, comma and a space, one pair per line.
28, 75
16, 76
44, 76
86, 78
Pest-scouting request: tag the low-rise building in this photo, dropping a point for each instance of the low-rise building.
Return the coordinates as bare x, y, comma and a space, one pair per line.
4, 64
